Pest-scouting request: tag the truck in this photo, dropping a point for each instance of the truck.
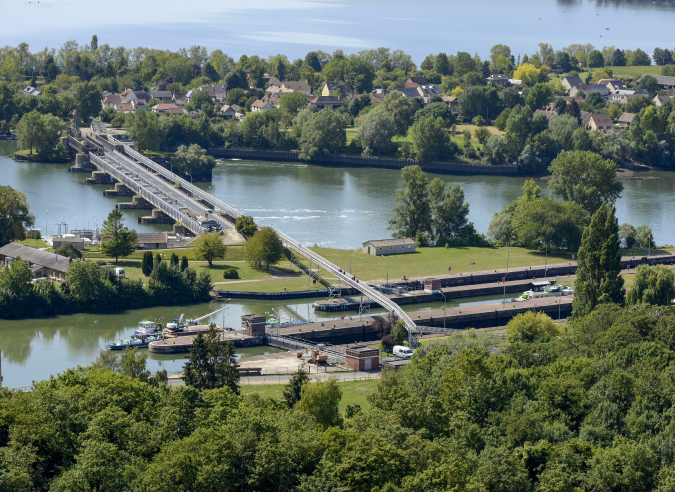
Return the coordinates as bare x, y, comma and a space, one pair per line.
403, 352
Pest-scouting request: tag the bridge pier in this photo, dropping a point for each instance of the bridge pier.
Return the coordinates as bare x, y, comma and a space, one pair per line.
120, 190
82, 163
157, 217
99, 177
138, 202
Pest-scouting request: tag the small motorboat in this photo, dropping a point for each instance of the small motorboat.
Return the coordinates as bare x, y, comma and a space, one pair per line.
175, 326
148, 328
139, 341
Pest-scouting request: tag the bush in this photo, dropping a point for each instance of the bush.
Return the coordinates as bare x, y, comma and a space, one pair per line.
478, 120
231, 273
69, 250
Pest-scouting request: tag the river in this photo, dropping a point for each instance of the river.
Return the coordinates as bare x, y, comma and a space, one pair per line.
295, 27
327, 206
34, 349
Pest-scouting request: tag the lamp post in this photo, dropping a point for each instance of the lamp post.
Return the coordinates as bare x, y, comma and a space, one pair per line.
387, 269
445, 304
190, 177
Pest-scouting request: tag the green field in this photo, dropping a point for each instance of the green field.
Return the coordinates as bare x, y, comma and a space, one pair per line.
33, 243
353, 392
272, 285
233, 253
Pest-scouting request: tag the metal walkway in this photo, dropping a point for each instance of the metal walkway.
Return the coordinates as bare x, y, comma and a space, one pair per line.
154, 183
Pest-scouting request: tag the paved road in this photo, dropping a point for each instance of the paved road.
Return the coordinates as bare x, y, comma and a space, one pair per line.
283, 379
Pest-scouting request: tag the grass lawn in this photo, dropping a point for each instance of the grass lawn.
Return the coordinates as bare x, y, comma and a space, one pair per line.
435, 261
33, 243
233, 253
628, 279
353, 392
493, 129
132, 270
351, 134
273, 285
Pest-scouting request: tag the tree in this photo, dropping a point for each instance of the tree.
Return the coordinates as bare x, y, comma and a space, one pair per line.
500, 122
639, 58
192, 159
529, 326
312, 61
437, 110
431, 141
30, 130
482, 135
398, 107
146, 263
449, 211
183, 264
412, 215
663, 56
174, 259
441, 64
87, 99
293, 102
209, 246
544, 223
264, 248
599, 263
539, 96
320, 400
375, 132
210, 72
293, 389
627, 236
358, 103
595, 59
323, 134
14, 215
121, 241
495, 150
50, 70
586, 178
644, 237
69, 250
245, 225
651, 285
572, 109
618, 59
648, 83
528, 73
211, 364
143, 128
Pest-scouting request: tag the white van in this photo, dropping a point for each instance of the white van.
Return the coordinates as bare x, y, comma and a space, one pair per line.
119, 272
401, 351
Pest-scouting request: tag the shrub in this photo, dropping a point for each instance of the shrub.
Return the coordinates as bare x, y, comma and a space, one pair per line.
231, 273
478, 120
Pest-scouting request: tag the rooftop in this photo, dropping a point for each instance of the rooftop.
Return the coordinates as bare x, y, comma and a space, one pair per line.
49, 260
390, 242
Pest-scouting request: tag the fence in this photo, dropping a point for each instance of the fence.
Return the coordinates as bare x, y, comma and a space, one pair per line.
362, 161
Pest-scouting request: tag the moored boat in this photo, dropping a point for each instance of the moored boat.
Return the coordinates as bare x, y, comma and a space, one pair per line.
140, 341
148, 328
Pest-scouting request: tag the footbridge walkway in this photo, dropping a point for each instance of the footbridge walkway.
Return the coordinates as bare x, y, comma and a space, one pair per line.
193, 207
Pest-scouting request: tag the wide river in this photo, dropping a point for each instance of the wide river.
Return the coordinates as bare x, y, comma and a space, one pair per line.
295, 27
328, 206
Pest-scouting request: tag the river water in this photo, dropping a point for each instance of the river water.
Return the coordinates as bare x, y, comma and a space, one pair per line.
294, 27
327, 206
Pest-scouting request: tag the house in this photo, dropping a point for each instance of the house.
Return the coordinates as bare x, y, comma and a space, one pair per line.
452, 102
131, 95
362, 358
584, 117
664, 81
429, 90
163, 96
297, 86
167, 108
125, 92
41, 263
422, 80
279, 91
271, 81
57, 241
124, 107
626, 119
613, 85
386, 247
571, 81
547, 112
179, 98
31, 91
499, 79
377, 97
578, 99
622, 97
331, 86
409, 92
261, 105
515, 82
587, 89
659, 100
194, 115
326, 102
152, 240
139, 104
216, 91
600, 122
227, 111
110, 101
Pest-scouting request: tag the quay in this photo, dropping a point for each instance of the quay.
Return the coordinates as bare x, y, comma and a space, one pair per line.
184, 343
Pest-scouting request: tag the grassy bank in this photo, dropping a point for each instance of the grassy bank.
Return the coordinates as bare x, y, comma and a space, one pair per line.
353, 392
233, 253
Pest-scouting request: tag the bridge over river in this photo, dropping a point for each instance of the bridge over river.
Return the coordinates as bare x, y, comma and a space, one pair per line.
199, 211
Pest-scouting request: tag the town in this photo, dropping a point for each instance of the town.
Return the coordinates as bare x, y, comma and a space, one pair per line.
348, 271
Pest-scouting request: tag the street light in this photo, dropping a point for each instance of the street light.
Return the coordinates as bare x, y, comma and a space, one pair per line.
190, 177
387, 269
444, 306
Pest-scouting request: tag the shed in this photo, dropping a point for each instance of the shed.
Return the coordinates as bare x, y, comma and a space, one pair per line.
57, 242
362, 358
152, 240
394, 365
253, 324
387, 247
432, 285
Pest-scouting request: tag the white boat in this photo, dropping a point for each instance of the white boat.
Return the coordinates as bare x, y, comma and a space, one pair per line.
148, 328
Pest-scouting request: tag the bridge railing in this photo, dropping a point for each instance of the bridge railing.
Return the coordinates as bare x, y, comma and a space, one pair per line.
151, 198
380, 298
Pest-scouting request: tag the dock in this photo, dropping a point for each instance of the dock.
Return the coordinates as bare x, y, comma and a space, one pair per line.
184, 343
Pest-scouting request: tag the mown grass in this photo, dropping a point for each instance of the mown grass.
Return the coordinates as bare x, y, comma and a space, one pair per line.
233, 253
353, 392
33, 243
